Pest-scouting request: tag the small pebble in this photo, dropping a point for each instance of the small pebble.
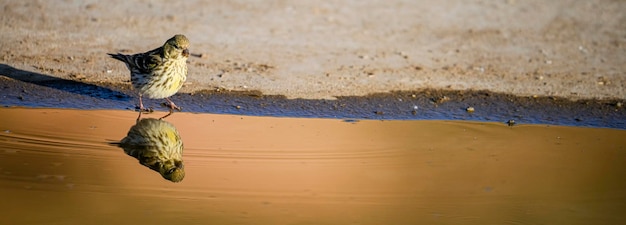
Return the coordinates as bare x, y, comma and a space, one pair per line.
77, 76
510, 123
441, 99
200, 55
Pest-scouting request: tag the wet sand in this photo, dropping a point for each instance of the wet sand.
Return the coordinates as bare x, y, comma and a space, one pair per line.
57, 167
26, 88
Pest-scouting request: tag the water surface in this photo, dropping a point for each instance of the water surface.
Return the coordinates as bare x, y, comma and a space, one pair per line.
58, 167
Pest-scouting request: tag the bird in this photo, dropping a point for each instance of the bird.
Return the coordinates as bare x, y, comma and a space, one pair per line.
159, 73
157, 145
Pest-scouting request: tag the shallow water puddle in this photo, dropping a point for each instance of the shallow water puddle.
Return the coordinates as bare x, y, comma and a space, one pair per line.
263, 170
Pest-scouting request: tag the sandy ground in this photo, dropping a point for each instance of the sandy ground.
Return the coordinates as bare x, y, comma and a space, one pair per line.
264, 170
321, 49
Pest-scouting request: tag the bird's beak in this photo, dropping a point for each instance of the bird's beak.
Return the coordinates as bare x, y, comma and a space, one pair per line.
186, 52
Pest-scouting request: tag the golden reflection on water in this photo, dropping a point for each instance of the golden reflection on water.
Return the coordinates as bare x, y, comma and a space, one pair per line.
256, 170
157, 145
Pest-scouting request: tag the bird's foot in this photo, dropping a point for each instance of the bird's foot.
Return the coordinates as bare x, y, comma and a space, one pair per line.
144, 110
172, 106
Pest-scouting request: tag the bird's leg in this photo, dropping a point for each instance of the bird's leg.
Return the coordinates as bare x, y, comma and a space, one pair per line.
170, 113
140, 104
139, 117
172, 106
141, 108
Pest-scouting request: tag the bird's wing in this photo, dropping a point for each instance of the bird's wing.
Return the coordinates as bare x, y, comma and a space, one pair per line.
146, 62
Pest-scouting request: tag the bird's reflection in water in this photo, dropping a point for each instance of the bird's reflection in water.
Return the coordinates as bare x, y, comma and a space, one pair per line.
157, 145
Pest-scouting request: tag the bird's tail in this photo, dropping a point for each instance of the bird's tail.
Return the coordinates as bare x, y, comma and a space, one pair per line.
120, 57
134, 62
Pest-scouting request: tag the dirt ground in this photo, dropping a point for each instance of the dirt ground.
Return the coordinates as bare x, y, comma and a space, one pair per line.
323, 49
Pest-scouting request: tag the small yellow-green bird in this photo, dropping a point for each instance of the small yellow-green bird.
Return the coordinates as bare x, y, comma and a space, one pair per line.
157, 145
159, 73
